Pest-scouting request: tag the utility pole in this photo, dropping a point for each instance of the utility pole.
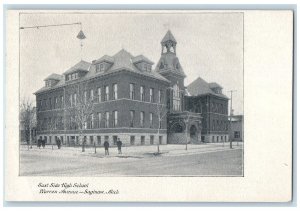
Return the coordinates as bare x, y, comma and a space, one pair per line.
230, 117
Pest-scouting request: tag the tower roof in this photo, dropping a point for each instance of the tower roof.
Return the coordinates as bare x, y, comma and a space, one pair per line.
168, 36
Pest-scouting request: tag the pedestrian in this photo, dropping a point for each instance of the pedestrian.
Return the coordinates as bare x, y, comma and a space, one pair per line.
43, 143
58, 142
39, 143
83, 144
119, 145
106, 146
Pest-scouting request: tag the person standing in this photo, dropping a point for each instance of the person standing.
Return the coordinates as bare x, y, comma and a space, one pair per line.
39, 144
58, 142
106, 146
44, 142
119, 145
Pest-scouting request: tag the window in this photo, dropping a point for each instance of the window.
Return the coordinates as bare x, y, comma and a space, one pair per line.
62, 100
91, 140
99, 95
142, 118
106, 93
92, 121
176, 98
132, 140
159, 96
213, 139
160, 124
160, 139
151, 95
40, 105
151, 140
98, 140
115, 120
71, 100
145, 67
55, 103
85, 96
131, 93
131, 118
142, 93
50, 103
106, 138
106, 119
75, 99
97, 67
99, 119
91, 95
101, 67
115, 139
236, 134
115, 91
151, 119
142, 140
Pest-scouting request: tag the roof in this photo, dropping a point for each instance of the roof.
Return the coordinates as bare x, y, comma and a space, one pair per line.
201, 87
168, 36
170, 60
105, 58
123, 60
54, 76
82, 65
140, 58
214, 85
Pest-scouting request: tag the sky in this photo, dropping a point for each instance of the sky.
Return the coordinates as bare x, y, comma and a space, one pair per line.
209, 44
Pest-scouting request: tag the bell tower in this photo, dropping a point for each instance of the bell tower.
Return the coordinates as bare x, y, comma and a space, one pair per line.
170, 68
168, 43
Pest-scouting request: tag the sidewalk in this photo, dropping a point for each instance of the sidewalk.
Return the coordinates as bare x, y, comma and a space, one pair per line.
134, 151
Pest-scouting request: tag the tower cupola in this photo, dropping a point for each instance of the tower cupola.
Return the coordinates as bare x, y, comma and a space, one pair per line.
168, 43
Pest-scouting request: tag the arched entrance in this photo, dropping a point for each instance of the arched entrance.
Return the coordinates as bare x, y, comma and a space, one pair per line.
176, 133
193, 134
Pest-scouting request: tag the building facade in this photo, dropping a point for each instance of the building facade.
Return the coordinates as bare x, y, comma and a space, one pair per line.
123, 96
237, 125
208, 100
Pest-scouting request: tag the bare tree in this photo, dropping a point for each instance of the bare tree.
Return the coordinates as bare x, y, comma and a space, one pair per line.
27, 119
80, 109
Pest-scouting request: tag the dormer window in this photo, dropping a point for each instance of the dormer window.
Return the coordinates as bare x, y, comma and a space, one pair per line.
48, 83
52, 80
100, 67
142, 63
72, 76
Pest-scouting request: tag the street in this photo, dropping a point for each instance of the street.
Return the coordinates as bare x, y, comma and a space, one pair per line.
213, 160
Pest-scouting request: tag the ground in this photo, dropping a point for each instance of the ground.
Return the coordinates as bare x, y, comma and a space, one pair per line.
214, 159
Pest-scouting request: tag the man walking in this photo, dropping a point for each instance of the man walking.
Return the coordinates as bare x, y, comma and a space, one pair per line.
106, 146
119, 145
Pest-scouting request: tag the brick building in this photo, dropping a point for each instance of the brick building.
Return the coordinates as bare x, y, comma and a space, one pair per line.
130, 99
208, 99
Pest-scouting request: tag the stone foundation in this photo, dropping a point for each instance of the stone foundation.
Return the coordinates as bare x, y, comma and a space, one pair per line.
98, 139
215, 138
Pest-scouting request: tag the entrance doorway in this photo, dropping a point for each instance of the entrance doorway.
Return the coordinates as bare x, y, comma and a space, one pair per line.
193, 134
